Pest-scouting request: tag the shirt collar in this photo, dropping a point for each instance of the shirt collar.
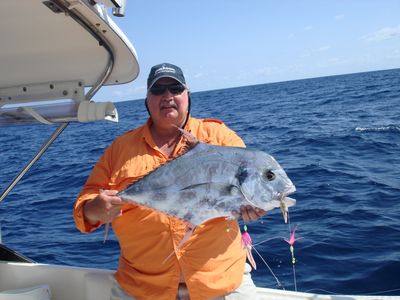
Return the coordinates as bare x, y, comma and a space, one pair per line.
148, 138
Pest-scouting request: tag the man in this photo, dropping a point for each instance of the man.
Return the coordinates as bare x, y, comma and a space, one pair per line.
154, 263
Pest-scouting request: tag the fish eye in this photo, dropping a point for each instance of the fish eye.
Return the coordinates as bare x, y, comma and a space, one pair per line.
269, 175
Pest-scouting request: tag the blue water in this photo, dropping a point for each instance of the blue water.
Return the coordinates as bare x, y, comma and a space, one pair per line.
337, 137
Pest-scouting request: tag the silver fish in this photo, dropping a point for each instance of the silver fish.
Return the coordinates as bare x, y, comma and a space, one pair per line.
213, 181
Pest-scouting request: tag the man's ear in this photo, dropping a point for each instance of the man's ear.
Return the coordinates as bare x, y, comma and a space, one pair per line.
145, 103
190, 102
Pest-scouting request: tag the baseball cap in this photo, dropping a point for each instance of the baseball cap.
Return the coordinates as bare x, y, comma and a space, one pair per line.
165, 70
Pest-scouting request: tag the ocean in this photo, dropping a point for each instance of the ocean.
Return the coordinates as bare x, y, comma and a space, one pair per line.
337, 137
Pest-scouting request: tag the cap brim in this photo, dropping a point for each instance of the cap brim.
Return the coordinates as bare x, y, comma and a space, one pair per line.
165, 76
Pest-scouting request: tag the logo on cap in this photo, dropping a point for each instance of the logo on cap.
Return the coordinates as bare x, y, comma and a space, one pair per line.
164, 69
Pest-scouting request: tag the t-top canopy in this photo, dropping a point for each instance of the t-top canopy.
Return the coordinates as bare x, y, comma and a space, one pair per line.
52, 50
41, 42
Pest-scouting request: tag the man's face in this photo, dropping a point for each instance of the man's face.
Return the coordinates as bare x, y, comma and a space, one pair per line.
168, 103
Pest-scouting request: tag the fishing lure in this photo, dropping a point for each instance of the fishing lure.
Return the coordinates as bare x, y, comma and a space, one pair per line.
248, 245
291, 242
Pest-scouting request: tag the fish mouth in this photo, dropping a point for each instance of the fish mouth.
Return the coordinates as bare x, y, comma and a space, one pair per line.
286, 202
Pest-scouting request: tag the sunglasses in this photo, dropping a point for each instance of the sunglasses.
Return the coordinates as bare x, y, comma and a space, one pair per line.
160, 89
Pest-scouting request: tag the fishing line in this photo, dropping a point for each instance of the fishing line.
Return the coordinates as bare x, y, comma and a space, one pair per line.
291, 242
277, 280
248, 243
294, 270
333, 293
267, 240
381, 292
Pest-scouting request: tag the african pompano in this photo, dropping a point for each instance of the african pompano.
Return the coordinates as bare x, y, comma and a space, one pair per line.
212, 181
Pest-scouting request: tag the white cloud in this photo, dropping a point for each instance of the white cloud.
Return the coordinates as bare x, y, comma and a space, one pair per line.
129, 92
306, 54
394, 55
310, 52
334, 60
291, 35
322, 48
339, 17
308, 28
295, 68
266, 71
198, 75
382, 34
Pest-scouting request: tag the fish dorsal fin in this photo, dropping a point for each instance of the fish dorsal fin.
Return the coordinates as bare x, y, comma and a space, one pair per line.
190, 141
190, 138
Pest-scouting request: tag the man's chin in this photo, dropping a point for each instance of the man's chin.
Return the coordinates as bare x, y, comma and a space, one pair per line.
169, 113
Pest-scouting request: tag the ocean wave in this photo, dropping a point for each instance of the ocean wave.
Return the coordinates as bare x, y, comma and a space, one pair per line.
388, 128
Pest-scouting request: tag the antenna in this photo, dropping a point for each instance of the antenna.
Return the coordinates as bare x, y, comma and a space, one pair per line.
119, 11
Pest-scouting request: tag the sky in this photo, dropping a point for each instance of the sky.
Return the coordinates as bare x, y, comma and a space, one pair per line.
221, 44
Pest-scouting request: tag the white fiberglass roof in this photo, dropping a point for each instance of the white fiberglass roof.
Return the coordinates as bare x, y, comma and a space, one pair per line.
39, 45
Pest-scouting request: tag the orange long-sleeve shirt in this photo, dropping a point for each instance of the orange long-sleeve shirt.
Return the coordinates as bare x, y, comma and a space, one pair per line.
151, 261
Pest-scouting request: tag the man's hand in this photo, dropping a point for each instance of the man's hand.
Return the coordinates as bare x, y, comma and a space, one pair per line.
104, 208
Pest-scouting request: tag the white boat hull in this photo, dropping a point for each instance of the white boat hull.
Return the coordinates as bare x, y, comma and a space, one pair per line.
65, 283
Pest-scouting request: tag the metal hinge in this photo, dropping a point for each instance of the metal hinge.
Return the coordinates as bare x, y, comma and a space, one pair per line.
54, 7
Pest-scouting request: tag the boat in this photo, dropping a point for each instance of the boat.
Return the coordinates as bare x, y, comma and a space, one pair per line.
77, 47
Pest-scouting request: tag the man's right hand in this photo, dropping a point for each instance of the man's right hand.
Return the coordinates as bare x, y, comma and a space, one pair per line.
104, 208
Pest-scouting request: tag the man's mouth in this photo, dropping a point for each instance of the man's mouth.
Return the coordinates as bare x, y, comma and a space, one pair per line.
169, 106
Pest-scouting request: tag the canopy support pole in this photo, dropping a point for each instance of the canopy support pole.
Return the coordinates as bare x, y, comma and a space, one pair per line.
88, 96
56, 133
